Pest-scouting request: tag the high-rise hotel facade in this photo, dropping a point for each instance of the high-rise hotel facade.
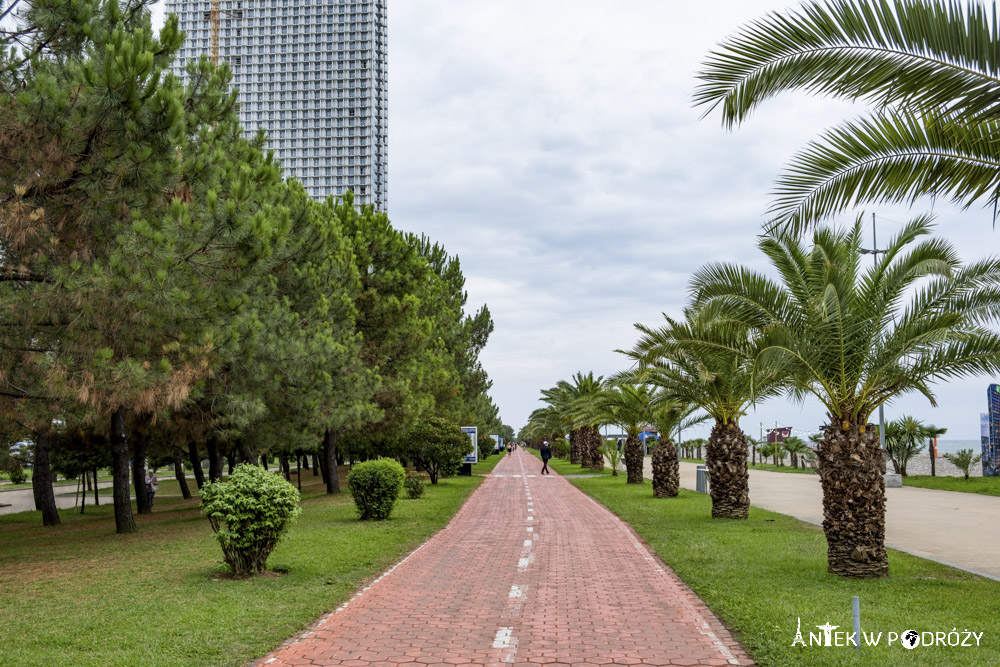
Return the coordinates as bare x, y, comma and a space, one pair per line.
312, 73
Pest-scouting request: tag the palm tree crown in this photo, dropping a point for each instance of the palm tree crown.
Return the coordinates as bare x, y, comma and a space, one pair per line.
850, 336
931, 70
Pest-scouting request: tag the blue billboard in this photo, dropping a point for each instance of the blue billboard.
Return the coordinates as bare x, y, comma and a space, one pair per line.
991, 438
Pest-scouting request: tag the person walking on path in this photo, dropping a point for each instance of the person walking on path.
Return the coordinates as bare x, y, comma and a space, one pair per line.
436, 607
546, 452
152, 484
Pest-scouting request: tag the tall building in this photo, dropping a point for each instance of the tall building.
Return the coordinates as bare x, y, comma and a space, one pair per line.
312, 73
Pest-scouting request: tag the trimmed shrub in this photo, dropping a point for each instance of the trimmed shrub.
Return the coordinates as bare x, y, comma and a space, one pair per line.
249, 512
375, 486
414, 485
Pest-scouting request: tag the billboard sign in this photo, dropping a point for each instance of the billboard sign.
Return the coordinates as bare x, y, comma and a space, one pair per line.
473, 433
991, 439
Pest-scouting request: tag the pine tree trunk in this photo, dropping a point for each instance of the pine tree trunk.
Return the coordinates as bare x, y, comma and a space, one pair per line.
633, 460
850, 469
97, 500
666, 470
124, 522
286, 468
214, 460
41, 480
139, 473
330, 456
315, 464
179, 474
195, 460
231, 460
726, 458
264, 461
594, 445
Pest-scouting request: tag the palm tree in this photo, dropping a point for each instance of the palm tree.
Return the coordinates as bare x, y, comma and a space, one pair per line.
928, 67
904, 439
545, 423
669, 417
855, 338
932, 433
963, 459
797, 450
561, 398
630, 406
585, 411
705, 360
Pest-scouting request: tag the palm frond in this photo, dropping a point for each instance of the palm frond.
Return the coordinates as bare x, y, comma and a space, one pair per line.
917, 54
888, 157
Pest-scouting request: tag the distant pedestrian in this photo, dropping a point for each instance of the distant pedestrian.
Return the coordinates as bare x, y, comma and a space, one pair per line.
508, 449
546, 452
152, 484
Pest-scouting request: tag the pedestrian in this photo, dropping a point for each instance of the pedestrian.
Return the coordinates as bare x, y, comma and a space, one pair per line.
508, 449
546, 452
152, 484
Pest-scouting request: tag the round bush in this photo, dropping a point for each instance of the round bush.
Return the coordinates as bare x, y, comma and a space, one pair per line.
249, 513
375, 486
414, 485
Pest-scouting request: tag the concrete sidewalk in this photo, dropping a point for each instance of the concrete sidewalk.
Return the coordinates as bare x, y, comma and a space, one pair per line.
958, 529
529, 572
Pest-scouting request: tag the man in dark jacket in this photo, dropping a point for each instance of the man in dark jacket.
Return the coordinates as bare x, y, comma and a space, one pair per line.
546, 455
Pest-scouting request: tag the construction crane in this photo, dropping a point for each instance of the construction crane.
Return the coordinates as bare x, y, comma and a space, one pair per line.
213, 32
213, 15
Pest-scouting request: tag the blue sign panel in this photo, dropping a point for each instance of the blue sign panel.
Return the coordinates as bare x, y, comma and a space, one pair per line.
473, 433
991, 445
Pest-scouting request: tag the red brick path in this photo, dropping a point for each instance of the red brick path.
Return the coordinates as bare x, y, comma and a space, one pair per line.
529, 572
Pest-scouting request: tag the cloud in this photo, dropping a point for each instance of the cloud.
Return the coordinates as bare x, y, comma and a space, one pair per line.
553, 147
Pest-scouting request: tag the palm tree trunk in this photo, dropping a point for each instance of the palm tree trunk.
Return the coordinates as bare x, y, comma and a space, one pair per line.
666, 470
850, 469
574, 446
633, 460
594, 447
729, 479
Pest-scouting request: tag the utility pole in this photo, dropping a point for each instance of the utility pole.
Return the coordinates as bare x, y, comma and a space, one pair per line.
874, 252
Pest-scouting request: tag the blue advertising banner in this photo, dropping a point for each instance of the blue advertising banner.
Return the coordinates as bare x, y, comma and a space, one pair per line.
991, 439
473, 433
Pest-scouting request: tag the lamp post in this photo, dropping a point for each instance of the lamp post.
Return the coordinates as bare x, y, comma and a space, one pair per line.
875, 252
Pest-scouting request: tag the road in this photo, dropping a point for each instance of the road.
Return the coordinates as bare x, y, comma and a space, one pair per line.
22, 500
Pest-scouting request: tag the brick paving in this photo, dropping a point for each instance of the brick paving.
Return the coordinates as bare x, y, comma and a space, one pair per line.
529, 572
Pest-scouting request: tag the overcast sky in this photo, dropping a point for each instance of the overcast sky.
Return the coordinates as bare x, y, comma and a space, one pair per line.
552, 145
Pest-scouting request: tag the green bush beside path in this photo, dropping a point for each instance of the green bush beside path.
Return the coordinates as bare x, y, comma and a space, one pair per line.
79, 594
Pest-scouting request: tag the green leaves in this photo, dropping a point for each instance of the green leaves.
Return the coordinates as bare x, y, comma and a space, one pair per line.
931, 70
856, 337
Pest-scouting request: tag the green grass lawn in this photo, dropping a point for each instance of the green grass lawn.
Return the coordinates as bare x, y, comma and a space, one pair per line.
786, 468
988, 486
761, 575
80, 594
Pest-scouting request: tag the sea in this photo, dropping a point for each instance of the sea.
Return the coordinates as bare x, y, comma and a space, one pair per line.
952, 446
